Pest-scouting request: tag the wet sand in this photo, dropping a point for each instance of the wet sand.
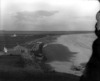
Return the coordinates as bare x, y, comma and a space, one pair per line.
58, 52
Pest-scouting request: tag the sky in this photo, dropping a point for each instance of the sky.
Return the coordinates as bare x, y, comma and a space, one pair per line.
48, 15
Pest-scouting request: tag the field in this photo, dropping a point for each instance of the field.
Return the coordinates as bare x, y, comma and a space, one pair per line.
64, 51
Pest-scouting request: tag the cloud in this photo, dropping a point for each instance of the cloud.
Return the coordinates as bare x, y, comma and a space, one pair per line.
48, 15
33, 16
43, 20
31, 20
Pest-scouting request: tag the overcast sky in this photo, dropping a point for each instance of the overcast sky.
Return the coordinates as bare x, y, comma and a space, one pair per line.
48, 15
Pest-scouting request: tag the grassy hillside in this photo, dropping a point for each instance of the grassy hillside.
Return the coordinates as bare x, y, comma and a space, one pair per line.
12, 68
62, 50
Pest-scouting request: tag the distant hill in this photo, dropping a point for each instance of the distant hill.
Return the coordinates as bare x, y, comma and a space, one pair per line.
44, 32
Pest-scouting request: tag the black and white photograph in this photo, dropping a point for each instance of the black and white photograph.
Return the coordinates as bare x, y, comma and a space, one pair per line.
49, 40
